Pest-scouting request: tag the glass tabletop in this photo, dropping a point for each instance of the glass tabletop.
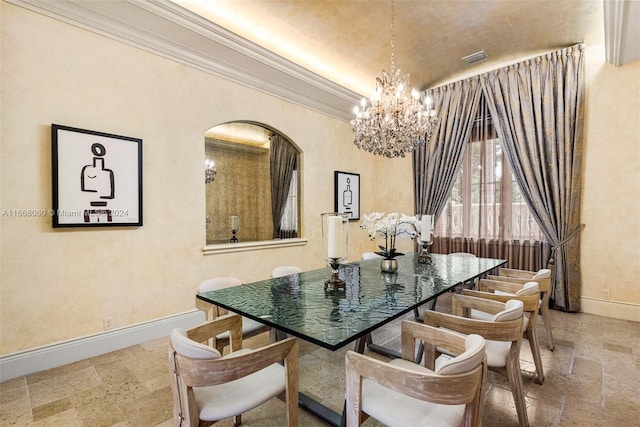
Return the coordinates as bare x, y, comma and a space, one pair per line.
301, 306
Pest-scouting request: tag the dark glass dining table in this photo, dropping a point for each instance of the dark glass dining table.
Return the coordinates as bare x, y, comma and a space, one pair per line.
301, 305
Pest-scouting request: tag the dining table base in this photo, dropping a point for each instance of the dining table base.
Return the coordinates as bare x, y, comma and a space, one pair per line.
316, 408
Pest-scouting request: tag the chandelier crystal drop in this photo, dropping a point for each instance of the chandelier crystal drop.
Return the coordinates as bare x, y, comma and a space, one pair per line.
393, 121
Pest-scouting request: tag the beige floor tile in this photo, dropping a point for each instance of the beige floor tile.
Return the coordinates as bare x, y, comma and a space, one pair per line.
592, 378
68, 418
55, 388
148, 410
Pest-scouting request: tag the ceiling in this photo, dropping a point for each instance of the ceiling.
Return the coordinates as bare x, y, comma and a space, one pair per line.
349, 41
326, 54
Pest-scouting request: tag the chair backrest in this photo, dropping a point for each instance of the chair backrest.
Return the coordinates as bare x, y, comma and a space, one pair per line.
458, 381
194, 367
512, 311
285, 270
370, 255
506, 323
529, 288
472, 357
544, 273
218, 283
185, 346
462, 254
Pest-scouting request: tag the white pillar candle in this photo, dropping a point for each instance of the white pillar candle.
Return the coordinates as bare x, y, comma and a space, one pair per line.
334, 237
235, 222
426, 226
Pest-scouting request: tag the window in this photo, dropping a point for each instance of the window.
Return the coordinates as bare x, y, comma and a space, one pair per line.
289, 221
486, 202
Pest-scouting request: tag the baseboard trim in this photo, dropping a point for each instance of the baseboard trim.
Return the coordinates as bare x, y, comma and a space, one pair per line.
614, 309
54, 355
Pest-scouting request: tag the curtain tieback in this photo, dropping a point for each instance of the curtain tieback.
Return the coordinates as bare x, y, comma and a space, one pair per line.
569, 237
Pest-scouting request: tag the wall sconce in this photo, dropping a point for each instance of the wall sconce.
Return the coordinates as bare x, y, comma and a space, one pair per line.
209, 171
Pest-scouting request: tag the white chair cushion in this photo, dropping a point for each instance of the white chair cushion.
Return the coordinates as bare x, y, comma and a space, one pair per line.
497, 351
190, 348
238, 396
472, 357
396, 409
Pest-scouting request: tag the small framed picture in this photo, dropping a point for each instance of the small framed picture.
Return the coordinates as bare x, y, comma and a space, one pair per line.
97, 178
347, 194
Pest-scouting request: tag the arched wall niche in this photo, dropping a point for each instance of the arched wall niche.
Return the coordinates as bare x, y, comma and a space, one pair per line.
238, 189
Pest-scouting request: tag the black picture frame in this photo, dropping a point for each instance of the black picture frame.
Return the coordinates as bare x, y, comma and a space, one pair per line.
347, 194
97, 178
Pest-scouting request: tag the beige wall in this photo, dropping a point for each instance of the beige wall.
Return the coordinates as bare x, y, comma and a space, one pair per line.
60, 284
611, 187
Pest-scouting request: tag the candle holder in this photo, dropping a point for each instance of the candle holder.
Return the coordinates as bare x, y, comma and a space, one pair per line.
424, 257
426, 237
334, 230
234, 224
334, 283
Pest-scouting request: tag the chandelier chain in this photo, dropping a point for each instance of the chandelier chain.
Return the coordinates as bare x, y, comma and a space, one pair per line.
393, 36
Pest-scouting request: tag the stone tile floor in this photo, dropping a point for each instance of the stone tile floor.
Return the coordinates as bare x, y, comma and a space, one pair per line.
592, 379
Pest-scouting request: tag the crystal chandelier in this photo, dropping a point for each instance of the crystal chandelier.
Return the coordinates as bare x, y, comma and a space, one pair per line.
393, 123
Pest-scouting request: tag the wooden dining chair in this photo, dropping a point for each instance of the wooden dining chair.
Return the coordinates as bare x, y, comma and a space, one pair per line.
403, 393
503, 335
207, 387
250, 327
543, 277
530, 297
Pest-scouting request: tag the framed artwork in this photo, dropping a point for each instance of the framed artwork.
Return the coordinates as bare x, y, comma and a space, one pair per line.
347, 194
97, 178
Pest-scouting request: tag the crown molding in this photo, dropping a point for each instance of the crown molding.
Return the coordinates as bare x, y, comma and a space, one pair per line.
167, 29
621, 33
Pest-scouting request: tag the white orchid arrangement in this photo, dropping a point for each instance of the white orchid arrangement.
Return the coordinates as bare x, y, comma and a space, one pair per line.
390, 226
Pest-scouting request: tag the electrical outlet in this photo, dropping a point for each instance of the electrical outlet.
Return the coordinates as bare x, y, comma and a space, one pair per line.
606, 293
107, 323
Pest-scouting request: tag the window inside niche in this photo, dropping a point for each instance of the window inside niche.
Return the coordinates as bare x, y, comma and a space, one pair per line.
241, 163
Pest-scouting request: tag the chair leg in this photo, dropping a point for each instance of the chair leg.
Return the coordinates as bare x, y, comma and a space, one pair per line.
532, 337
237, 420
546, 317
515, 379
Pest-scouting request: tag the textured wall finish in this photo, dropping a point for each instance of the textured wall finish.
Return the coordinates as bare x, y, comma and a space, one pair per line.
242, 188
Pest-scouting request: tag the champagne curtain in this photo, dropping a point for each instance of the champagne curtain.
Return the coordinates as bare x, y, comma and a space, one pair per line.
538, 105
283, 158
484, 215
436, 163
